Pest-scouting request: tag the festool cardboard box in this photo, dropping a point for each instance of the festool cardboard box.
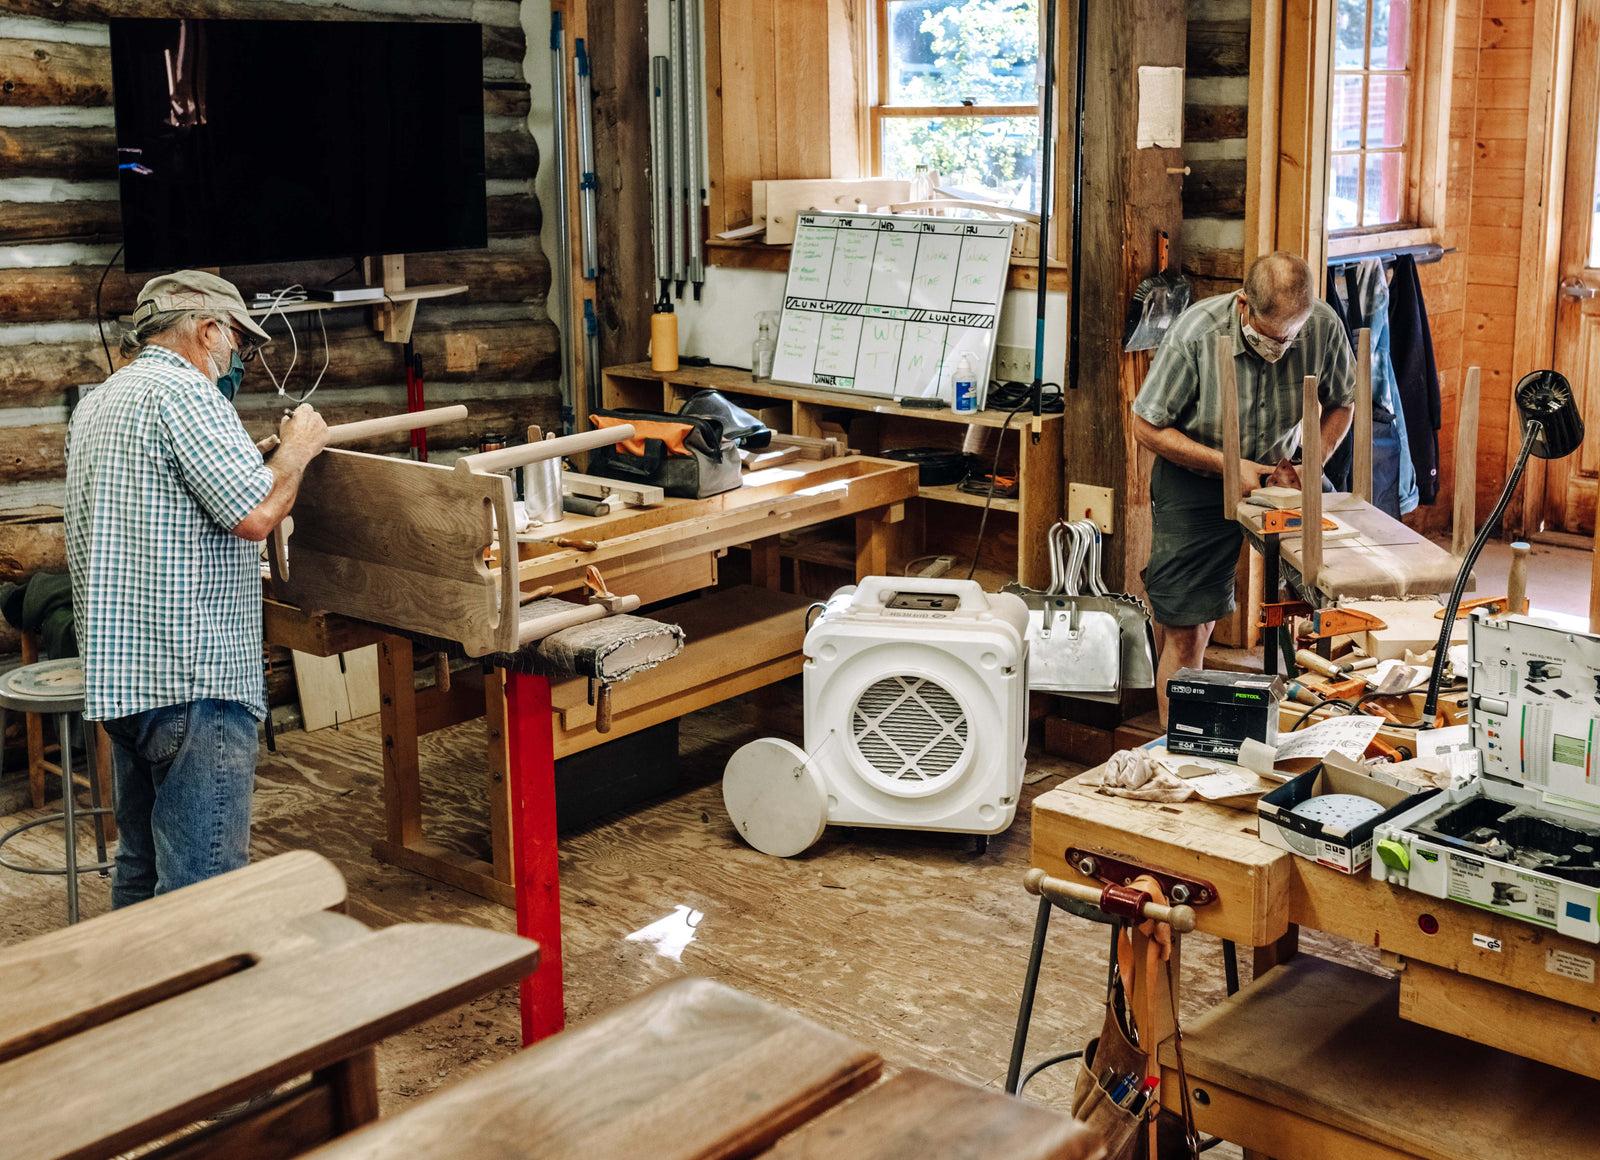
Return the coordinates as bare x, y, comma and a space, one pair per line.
1209, 713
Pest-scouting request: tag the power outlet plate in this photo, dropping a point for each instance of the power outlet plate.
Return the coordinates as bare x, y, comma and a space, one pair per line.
1087, 502
1013, 364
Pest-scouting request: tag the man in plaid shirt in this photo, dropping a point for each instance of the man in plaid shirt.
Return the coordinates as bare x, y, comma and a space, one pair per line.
167, 498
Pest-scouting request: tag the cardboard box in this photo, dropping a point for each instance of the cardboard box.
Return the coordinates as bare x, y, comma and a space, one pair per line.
1209, 712
1346, 850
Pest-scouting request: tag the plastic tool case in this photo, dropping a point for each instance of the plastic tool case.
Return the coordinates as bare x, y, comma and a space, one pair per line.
1524, 839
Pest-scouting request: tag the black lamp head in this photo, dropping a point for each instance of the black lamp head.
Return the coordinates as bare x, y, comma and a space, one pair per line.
1546, 397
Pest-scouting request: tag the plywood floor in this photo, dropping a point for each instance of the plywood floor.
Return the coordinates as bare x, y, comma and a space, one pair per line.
909, 942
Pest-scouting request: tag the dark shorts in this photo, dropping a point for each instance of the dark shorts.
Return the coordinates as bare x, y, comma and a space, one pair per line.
1194, 548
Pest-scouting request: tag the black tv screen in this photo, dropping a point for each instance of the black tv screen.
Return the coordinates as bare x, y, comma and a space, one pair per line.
247, 141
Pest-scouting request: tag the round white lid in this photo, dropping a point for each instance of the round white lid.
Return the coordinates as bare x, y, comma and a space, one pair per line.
777, 803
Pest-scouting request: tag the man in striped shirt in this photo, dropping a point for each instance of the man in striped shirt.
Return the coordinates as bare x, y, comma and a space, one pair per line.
1278, 332
167, 500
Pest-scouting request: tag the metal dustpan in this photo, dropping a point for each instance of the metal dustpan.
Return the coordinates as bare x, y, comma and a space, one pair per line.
1156, 303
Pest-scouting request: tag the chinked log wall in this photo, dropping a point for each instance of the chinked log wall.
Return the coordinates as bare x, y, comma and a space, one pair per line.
493, 348
1216, 107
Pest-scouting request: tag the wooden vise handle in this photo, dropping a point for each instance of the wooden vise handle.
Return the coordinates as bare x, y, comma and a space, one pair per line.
1059, 890
391, 424
527, 453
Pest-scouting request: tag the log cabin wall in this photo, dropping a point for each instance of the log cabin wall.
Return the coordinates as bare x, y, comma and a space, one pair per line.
1215, 119
493, 348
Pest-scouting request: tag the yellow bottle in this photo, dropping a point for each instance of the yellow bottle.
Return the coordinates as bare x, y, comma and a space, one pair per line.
663, 338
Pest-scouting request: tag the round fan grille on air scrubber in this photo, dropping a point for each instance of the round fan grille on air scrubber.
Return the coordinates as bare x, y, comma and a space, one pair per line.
910, 730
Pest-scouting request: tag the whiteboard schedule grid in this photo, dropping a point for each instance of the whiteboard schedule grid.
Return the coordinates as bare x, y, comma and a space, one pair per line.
886, 304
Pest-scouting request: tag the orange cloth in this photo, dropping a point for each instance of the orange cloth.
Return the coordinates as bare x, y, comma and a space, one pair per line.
1159, 933
672, 434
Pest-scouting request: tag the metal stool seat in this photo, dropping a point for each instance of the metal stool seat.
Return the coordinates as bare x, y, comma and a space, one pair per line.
55, 688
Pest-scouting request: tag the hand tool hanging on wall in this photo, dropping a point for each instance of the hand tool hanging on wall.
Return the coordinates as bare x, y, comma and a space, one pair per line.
560, 291
591, 327
588, 183
693, 191
677, 147
659, 176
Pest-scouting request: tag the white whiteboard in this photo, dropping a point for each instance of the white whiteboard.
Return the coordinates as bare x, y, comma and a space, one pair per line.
887, 304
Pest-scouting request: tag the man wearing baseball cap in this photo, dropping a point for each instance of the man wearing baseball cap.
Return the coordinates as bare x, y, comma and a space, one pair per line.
167, 498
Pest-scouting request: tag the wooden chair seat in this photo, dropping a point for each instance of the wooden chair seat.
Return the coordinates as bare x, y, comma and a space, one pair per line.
1313, 1060
125, 1028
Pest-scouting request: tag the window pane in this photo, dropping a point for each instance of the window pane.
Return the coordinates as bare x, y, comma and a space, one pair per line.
1346, 112
1386, 189
952, 52
1386, 112
995, 158
1350, 34
1344, 178
1391, 33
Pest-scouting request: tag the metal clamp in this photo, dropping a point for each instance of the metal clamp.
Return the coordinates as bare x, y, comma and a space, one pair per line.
1116, 872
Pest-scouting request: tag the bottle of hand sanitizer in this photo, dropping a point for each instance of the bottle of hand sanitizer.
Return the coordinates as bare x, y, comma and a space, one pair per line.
966, 386
765, 346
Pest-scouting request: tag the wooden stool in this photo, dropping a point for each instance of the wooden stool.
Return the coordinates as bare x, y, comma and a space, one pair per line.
1313, 1062
56, 688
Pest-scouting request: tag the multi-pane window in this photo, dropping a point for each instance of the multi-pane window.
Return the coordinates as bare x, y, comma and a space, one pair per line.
1373, 88
957, 91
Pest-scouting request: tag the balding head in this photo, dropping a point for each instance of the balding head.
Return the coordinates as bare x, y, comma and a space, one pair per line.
1278, 290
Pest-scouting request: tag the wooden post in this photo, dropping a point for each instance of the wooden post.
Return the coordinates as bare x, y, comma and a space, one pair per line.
402, 788
1311, 487
1129, 195
1361, 431
1232, 484
1463, 523
531, 744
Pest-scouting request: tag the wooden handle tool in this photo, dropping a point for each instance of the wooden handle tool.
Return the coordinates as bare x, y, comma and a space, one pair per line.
341, 433
1037, 882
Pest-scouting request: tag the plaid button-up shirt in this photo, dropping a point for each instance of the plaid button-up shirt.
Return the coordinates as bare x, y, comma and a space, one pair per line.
1182, 389
167, 600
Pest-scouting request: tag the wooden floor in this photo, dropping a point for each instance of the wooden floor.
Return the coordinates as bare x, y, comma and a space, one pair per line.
910, 942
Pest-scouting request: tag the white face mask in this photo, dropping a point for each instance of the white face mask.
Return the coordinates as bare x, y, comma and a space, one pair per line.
1270, 349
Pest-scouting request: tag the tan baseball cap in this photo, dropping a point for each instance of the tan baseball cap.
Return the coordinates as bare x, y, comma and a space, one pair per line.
196, 290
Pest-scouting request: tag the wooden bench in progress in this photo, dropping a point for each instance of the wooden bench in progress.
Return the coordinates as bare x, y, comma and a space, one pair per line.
129, 1027
694, 1070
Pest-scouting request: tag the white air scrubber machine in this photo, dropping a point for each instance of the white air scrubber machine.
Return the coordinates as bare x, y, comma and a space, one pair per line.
916, 718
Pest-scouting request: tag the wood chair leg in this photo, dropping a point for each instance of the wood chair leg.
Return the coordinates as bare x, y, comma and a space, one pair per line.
531, 742
354, 1082
35, 731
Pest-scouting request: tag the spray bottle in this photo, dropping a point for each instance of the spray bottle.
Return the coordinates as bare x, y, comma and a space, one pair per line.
765, 347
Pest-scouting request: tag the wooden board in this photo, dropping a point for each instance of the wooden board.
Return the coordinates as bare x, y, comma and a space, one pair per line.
400, 543
691, 1071
1527, 1025
1321, 1046
921, 1114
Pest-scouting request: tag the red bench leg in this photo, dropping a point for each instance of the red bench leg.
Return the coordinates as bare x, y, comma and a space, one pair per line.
533, 834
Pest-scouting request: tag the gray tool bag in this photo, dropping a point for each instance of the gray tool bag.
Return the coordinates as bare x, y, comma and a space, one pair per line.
1083, 640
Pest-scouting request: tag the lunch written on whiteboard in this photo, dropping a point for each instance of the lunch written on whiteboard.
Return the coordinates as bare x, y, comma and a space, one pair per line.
886, 304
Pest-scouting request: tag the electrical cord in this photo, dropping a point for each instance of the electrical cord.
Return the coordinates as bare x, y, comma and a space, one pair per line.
1043, 1064
280, 298
99, 319
1005, 395
1025, 400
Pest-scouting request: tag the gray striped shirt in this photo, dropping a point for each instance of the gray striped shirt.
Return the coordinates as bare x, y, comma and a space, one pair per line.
1182, 389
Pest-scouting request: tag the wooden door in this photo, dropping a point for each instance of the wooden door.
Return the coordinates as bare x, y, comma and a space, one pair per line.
1570, 483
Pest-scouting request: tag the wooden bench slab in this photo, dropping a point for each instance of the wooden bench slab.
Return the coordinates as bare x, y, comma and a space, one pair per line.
118, 1084
919, 1114
62, 982
1314, 1060
692, 1070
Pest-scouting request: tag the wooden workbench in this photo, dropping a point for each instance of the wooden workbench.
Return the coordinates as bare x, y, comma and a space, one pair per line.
1479, 975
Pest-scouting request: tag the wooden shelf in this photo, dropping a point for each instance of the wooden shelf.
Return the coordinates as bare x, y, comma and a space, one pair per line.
737, 381
409, 294
951, 493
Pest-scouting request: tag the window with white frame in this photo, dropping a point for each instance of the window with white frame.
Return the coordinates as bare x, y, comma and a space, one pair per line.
957, 91
1373, 121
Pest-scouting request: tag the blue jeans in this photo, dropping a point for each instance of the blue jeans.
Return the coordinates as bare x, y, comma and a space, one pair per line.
184, 775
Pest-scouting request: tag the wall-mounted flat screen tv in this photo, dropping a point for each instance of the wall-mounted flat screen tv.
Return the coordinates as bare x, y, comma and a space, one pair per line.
250, 141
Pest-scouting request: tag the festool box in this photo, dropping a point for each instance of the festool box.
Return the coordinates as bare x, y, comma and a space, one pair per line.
1209, 713
1524, 839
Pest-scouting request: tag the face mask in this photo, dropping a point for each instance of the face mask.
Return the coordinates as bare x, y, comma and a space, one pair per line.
1270, 349
228, 381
